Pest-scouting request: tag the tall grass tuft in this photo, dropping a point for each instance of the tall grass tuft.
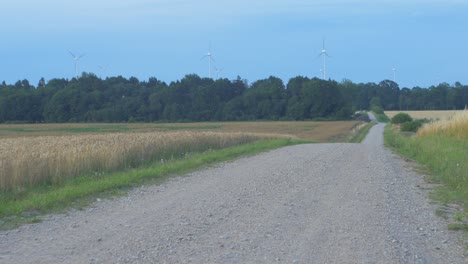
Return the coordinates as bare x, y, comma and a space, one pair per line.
442, 146
456, 126
50, 160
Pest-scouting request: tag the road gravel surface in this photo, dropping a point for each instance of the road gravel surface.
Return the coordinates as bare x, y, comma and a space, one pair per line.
312, 203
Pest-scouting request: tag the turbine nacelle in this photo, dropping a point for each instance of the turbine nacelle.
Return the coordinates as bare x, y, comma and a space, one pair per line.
76, 59
210, 58
324, 55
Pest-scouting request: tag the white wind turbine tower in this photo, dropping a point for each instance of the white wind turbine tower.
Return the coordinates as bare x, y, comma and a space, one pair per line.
324, 55
394, 74
210, 58
76, 59
218, 71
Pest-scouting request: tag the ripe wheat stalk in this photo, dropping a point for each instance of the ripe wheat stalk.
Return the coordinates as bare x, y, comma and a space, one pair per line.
456, 126
52, 159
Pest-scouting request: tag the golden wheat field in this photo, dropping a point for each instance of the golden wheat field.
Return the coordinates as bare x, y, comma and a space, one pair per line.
31, 160
455, 126
316, 131
34, 154
435, 115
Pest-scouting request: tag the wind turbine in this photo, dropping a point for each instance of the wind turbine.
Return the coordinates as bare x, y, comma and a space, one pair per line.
324, 55
103, 70
210, 58
394, 74
218, 71
76, 59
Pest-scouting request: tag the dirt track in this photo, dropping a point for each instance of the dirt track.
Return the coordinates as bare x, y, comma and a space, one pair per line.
317, 203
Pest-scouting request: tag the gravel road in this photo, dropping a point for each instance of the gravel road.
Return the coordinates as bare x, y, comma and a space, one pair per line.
314, 203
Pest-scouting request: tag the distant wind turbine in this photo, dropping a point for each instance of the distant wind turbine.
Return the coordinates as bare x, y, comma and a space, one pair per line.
76, 59
103, 70
324, 55
218, 71
394, 74
210, 58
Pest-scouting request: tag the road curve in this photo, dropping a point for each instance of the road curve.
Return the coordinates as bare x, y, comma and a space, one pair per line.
314, 203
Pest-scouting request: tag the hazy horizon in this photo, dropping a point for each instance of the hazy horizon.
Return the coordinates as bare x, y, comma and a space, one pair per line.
424, 40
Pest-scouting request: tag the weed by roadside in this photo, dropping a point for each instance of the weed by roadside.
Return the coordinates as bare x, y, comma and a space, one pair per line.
443, 152
35, 201
381, 117
360, 132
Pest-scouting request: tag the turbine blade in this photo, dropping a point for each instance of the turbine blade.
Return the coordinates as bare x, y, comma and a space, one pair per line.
71, 53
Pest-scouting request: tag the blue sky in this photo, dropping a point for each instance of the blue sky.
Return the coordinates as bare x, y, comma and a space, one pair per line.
426, 41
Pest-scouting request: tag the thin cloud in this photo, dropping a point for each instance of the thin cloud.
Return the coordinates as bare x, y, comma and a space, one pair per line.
189, 7
157, 15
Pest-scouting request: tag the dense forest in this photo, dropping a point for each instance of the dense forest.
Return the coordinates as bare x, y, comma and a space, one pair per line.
117, 99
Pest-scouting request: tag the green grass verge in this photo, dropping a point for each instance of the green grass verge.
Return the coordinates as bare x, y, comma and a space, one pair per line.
458, 226
18, 209
446, 160
381, 117
362, 133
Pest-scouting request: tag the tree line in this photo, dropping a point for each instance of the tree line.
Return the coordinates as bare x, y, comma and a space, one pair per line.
117, 99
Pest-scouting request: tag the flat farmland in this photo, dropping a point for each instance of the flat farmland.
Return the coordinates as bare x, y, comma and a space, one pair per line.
33, 154
308, 130
308, 203
439, 114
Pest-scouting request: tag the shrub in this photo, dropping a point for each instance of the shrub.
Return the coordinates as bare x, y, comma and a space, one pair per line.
362, 117
411, 126
401, 118
377, 109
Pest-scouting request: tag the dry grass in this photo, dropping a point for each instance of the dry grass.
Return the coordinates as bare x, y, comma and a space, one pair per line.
435, 115
456, 126
31, 155
31, 161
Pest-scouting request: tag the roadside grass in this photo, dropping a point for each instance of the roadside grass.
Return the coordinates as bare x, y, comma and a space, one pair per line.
26, 203
445, 157
361, 132
34, 161
381, 117
24, 208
